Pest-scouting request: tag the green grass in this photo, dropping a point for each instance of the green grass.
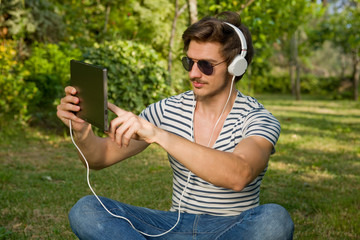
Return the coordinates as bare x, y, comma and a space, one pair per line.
315, 174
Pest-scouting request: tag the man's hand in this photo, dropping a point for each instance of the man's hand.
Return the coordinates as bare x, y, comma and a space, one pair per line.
68, 107
129, 126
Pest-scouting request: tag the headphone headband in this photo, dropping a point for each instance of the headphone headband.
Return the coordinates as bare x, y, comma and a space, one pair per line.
241, 37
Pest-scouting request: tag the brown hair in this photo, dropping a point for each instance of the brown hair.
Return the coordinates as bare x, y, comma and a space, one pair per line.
213, 29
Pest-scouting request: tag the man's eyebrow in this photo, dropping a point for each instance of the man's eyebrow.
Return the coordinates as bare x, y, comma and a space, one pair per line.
210, 60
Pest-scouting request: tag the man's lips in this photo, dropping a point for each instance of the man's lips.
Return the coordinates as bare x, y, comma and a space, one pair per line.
198, 84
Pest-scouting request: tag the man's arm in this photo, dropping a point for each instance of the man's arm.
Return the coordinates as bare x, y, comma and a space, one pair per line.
229, 170
99, 152
103, 152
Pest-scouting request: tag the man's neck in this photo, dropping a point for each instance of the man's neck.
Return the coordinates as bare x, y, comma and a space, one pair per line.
212, 107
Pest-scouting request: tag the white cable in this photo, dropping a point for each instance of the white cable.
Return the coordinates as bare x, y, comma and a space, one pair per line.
117, 216
227, 101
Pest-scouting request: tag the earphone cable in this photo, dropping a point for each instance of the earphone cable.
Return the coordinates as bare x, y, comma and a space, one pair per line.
122, 217
227, 101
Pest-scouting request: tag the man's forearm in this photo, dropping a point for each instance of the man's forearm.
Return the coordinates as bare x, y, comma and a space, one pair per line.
92, 147
219, 168
103, 152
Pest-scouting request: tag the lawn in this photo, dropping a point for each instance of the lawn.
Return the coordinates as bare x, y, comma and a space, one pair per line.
315, 174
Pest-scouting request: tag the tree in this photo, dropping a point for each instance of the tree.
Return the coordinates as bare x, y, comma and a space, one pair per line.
294, 66
270, 23
177, 13
343, 31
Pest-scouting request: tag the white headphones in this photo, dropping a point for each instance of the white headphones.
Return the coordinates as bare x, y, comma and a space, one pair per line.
239, 64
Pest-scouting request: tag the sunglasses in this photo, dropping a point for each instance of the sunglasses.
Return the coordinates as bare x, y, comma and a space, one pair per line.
205, 66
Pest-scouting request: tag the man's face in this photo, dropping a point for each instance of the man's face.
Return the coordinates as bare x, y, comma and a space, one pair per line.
206, 86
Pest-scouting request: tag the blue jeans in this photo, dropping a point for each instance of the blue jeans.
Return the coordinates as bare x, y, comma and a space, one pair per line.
89, 220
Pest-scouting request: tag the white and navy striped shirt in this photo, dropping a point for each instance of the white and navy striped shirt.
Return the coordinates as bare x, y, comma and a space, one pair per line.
247, 118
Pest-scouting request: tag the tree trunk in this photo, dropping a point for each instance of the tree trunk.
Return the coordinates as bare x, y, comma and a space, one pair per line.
356, 70
297, 82
107, 13
172, 36
294, 69
193, 14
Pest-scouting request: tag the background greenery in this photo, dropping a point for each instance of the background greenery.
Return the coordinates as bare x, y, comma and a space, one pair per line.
304, 49
301, 46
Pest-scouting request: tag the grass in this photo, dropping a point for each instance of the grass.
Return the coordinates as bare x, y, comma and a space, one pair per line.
315, 174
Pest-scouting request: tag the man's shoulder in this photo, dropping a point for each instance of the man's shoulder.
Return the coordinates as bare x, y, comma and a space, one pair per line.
247, 102
184, 96
185, 99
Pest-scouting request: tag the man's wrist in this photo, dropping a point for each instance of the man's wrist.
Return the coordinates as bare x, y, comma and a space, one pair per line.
80, 136
161, 137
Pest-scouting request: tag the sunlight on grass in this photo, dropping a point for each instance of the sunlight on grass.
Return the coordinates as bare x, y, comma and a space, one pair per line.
314, 174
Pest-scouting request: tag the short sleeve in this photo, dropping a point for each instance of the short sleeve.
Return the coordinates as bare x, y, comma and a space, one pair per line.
261, 122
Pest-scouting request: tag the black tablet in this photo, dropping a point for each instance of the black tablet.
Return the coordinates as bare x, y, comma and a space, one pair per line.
90, 82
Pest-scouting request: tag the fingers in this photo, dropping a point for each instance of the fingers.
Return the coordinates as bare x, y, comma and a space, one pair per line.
124, 128
66, 112
70, 90
123, 116
129, 126
68, 106
126, 132
115, 109
70, 103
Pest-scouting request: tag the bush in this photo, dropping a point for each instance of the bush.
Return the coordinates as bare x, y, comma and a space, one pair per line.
136, 73
272, 84
49, 70
325, 86
310, 84
15, 92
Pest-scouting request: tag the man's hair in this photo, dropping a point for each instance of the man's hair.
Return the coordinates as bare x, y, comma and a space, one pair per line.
213, 29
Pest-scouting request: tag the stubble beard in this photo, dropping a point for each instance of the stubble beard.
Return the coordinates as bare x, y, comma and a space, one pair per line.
214, 92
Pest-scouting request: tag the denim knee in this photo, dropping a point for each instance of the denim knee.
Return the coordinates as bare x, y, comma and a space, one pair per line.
83, 214
84, 205
279, 219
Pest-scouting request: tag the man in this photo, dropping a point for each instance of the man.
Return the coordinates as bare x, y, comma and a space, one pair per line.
218, 140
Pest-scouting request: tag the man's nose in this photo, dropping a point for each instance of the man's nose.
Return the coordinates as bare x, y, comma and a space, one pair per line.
195, 71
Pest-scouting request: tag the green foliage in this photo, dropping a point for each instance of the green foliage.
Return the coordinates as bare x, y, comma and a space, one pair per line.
16, 19
95, 21
330, 87
272, 84
153, 23
344, 29
324, 86
136, 73
49, 70
269, 22
34, 20
40, 71
15, 92
48, 23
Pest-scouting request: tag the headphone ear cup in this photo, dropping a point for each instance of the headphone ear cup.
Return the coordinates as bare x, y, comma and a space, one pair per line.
238, 66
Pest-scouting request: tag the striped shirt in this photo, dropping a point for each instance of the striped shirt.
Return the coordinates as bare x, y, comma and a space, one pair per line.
247, 118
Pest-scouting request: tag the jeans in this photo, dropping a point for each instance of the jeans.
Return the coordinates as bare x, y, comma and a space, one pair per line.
89, 220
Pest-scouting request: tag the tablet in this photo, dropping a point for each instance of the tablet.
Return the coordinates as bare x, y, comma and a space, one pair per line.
90, 82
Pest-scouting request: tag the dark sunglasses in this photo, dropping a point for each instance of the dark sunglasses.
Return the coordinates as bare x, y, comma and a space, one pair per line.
205, 66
